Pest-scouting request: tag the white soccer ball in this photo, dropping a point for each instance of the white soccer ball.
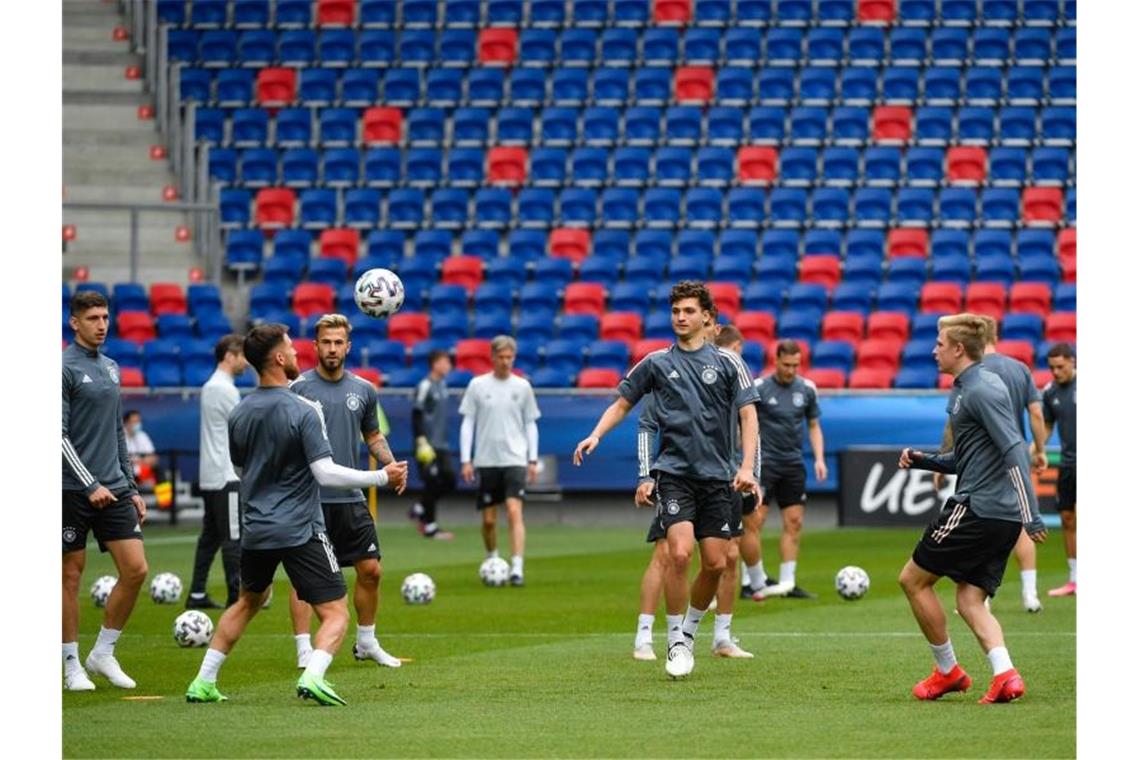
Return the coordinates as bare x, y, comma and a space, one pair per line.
418, 588
193, 628
166, 588
101, 589
379, 293
852, 582
494, 572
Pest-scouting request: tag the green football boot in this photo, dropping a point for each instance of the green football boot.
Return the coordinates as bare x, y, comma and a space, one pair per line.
318, 689
204, 691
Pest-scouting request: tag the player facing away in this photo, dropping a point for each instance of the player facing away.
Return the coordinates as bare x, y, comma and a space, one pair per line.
971, 538
1060, 409
699, 390
500, 418
279, 441
221, 519
785, 401
348, 405
99, 493
433, 449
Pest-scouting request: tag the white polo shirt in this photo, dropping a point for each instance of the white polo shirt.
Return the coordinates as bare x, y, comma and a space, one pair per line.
219, 397
501, 410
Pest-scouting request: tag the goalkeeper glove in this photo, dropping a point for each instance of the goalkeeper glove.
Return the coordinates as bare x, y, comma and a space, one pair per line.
425, 454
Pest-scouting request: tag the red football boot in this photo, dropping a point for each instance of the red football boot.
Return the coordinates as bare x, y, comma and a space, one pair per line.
1005, 687
937, 684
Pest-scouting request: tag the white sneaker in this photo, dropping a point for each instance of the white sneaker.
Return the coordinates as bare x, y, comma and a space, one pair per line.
77, 680
767, 592
376, 653
108, 667
303, 659
644, 652
730, 649
1031, 603
679, 661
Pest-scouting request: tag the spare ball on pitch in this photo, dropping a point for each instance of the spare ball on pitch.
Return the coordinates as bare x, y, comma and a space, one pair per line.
379, 293
494, 571
852, 582
193, 628
166, 588
418, 588
101, 589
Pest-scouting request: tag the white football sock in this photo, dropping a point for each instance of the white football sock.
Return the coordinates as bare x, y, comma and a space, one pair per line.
319, 662
105, 643
1029, 583
492, 554
644, 630
71, 657
366, 636
430, 528
516, 564
673, 625
756, 575
693, 618
211, 664
1073, 570
788, 573
721, 628
944, 656
999, 659
304, 643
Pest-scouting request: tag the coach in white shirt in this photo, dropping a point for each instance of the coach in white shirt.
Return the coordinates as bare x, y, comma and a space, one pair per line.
221, 521
500, 417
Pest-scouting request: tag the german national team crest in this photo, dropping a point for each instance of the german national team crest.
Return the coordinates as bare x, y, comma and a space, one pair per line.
69, 535
354, 402
672, 507
797, 399
708, 375
114, 373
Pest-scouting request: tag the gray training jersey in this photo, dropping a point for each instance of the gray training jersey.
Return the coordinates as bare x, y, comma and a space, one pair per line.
1018, 380
697, 395
274, 435
431, 404
349, 409
1060, 407
94, 446
782, 410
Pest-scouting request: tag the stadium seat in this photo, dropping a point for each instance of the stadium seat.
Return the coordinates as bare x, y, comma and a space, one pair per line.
764, 295
382, 125
652, 85
891, 123
843, 326
888, 326
835, 355
160, 363
757, 326
1061, 326
966, 165
312, 298
565, 356
784, 45
933, 125
337, 127
408, 328
607, 354
299, 167
908, 242
820, 270
892, 297
473, 355
951, 268
986, 298
840, 166
498, 47
582, 328
1000, 206
1041, 205
1022, 327
801, 325
907, 270
595, 377
878, 354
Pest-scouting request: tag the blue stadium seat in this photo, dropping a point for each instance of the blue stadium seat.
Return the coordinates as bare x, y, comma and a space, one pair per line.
494, 297
377, 47
1059, 125
1039, 269
682, 125
249, 127
998, 269
908, 44
577, 207
578, 47
799, 324
672, 166
933, 125
893, 297
833, 354
742, 45
866, 44
341, 167
658, 324
983, 85
449, 208
733, 268
620, 207
1066, 41
160, 363
361, 207
600, 126
944, 243
402, 87
1032, 45
1050, 166
182, 45
564, 356
654, 244
447, 299
653, 85
125, 352
128, 296
645, 271
829, 206
916, 377
762, 295
915, 205
907, 270
825, 45
360, 87
632, 13
715, 166
808, 125
950, 268
916, 353
849, 125
217, 48
822, 241
957, 206
942, 85
580, 328
481, 243
331, 271
784, 45
470, 127
1063, 85
612, 244
536, 207
417, 48
1000, 206
1065, 297
1042, 12
1007, 167
642, 125
766, 124
406, 208
337, 126
444, 87
798, 166
299, 167
382, 167
840, 166
485, 86
924, 166
234, 206
559, 126
461, 13
989, 243
611, 86
734, 86
1071, 205
608, 354
864, 270
688, 268
702, 46
859, 84
423, 167
296, 47
1028, 327
746, 206
662, 207
777, 85
223, 165
1026, 85
569, 87
660, 45
599, 269
589, 166
318, 208
882, 166
777, 265
900, 83
924, 327
526, 245
808, 296
1000, 12
492, 207
872, 206
853, 296
991, 45
975, 125
537, 47
964, 12
256, 47
195, 85
449, 327
548, 167
1018, 125
866, 242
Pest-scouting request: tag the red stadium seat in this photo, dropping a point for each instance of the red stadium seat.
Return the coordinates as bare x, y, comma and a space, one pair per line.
136, 325
371, 374
941, 298
986, 298
643, 348
869, 378
756, 164
1069, 269
275, 207
1059, 326
383, 125
805, 354
891, 123
585, 298
672, 11
826, 378
167, 298
276, 86
726, 296
336, 12
1042, 204
1042, 377
1067, 243
473, 355
570, 243
945, 382
843, 325
759, 326
890, 326
306, 354
1022, 350
409, 327
340, 244
908, 242
310, 298
1031, 298
463, 270
498, 46
876, 11
966, 164
131, 377
820, 270
621, 325
598, 378
875, 353
693, 84
506, 165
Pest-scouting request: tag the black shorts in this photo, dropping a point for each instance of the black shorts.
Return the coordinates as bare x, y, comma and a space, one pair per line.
223, 509
352, 531
783, 484
966, 548
1066, 489
737, 521
708, 504
312, 569
497, 484
748, 504
113, 522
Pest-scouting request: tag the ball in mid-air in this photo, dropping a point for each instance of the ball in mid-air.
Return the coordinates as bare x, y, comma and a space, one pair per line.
852, 582
379, 293
494, 571
101, 589
418, 588
166, 588
193, 628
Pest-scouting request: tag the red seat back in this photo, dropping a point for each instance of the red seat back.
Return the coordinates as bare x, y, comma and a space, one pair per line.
306, 354
585, 298
570, 243
371, 374
693, 84
621, 325
871, 378
383, 125
598, 378
336, 12
1022, 350
889, 326
1031, 297
1042, 377
473, 355
167, 298
672, 11
1061, 326
1041, 204
1067, 243
131, 377
820, 270
274, 207
986, 298
759, 326
340, 244
756, 164
498, 46
966, 164
135, 325
463, 270
826, 378
941, 298
506, 165
409, 327
643, 348
908, 241
311, 298
876, 353
726, 296
876, 11
276, 86
843, 325
891, 123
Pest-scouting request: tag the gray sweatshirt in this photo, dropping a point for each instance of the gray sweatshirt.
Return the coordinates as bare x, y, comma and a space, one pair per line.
94, 445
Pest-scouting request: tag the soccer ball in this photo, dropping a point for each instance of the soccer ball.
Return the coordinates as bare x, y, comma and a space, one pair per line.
418, 588
193, 628
165, 588
852, 582
101, 589
379, 293
494, 571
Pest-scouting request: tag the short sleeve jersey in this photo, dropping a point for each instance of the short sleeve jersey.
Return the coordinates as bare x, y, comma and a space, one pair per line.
1018, 380
431, 401
501, 409
782, 410
349, 409
697, 395
274, 436
1060, 407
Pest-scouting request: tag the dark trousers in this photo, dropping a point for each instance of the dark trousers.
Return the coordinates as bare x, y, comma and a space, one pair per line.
221, 529
439, 480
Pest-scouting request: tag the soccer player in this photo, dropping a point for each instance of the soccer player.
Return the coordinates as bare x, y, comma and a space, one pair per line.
1060, 402
278, 438
221, 518
433, 451
500, 416
99, 493
785, 400
698, 389
971, 538
348, 405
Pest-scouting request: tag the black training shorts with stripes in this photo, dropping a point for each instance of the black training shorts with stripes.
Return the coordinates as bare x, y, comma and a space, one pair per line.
966, 548
312, 568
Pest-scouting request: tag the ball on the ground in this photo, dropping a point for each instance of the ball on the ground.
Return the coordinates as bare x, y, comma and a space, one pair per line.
418, 588
379, 293
852, 582
494, 571
166, 588
193, 628
101, 589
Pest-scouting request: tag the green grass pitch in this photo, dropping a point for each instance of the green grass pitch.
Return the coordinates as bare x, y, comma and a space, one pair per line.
546, 670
